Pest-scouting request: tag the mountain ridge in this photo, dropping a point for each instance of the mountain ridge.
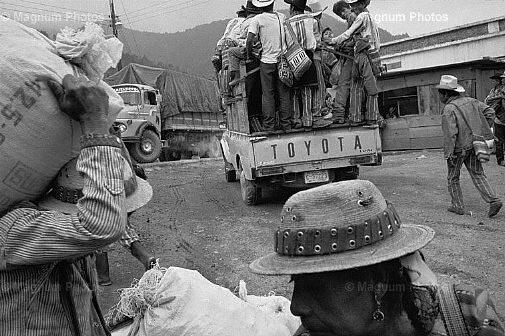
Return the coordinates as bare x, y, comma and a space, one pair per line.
189, 50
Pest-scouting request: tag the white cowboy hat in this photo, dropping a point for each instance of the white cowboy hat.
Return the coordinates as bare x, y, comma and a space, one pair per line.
262, 3
339, 226
449, 82
316, 7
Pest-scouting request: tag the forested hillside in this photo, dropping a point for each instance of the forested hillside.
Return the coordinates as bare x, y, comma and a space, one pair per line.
188, 51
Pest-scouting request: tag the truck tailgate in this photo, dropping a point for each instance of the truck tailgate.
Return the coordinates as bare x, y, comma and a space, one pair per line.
292, 148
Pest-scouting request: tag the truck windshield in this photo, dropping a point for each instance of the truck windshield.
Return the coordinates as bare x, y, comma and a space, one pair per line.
130, 98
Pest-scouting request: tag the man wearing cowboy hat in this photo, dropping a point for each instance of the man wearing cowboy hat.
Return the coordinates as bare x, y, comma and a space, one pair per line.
461, 118
496, 100
268, 28
358, 270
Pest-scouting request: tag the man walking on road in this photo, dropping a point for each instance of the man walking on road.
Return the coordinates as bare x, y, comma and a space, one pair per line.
461, 118
496, 100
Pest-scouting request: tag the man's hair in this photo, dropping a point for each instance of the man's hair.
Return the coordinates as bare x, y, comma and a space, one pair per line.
339, 7
450, 93
268, 8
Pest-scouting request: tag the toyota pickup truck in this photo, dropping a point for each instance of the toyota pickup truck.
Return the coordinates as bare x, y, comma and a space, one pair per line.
299, 158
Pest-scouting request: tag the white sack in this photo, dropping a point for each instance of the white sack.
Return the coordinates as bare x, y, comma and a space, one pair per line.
187, 304
36, 138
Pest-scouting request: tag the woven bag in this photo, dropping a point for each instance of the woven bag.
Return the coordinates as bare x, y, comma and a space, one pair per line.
297, 58
284, 71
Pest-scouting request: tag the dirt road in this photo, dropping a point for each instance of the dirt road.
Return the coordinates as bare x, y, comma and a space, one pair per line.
196, 220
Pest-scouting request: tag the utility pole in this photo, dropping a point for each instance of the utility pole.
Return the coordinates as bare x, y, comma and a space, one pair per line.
114, 28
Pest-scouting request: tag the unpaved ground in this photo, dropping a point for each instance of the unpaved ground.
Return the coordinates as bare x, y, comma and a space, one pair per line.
196, 220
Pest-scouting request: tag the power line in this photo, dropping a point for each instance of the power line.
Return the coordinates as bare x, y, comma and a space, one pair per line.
175, 10
173, 5
149, 7
131, 32
67, 17
59, 7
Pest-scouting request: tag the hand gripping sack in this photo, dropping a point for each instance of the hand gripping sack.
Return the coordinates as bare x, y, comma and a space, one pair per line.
36, 138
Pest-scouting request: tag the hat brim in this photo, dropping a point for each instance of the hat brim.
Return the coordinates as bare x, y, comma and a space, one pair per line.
319, 12
408, 239
263, 3
458, 88
140, 197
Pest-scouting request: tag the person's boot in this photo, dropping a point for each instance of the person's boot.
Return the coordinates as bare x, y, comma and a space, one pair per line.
142, 255
102, 268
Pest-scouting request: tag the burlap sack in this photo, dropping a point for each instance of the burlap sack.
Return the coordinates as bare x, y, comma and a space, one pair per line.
36, 138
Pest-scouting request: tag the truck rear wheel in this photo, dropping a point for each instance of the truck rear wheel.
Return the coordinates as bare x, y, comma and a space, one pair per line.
148, 148
251, 193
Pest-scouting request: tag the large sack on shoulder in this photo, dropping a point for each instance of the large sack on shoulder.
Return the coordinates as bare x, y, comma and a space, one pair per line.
36, 138
181, 302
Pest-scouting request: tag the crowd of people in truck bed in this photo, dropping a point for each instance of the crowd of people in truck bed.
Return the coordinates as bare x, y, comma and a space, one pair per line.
340, 85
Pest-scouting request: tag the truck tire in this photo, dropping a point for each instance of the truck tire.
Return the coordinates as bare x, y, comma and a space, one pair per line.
148, 149
251, 193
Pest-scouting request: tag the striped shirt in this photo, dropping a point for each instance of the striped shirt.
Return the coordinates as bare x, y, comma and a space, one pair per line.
363, 27
305, 28
30, 236
47, 275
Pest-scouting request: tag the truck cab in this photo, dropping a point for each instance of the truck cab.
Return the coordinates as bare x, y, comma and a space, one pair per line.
299, 158
140, 121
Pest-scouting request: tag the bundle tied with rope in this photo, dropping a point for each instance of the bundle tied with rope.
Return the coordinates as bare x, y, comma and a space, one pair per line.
178, 301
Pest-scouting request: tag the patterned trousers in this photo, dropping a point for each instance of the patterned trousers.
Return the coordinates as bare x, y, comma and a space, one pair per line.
476, 172
363, 91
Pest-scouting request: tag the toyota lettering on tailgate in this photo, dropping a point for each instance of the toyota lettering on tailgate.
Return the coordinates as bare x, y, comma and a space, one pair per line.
314, 147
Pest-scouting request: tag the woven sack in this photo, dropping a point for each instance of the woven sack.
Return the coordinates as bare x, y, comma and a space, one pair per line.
297, 58
36, 138
182, 302
481, 148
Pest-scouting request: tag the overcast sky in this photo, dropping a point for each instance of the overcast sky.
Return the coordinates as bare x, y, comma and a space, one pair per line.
397, 16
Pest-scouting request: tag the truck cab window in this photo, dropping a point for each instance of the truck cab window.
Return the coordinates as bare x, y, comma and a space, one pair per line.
150, 98
130, 98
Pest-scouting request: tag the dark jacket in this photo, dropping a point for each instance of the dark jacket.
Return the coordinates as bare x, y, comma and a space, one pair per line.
457, 134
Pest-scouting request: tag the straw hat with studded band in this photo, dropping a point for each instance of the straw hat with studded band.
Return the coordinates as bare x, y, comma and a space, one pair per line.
336, 227
67, 188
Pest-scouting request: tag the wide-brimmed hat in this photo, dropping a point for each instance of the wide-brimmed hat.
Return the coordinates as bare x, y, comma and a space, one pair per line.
68, 185
242, 10
449, 82
498, 76
262, 3
316, 7
339, 226
299, 4
367, 2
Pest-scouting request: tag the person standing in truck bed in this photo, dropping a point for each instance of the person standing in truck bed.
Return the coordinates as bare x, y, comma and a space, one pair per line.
268, 26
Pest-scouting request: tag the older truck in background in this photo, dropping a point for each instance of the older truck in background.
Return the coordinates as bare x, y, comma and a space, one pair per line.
140, 121
299, 158
190, 115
